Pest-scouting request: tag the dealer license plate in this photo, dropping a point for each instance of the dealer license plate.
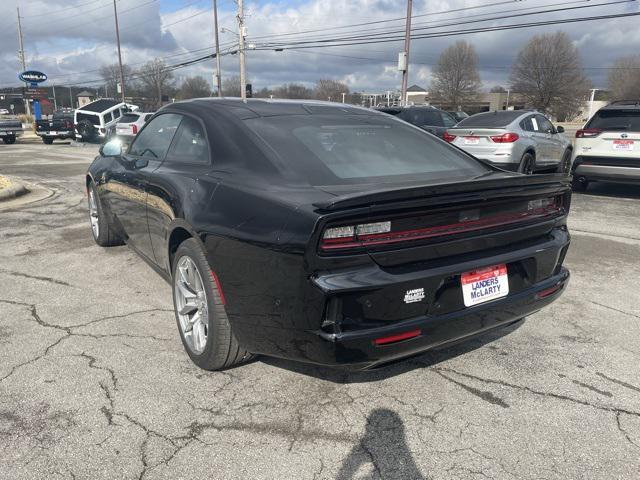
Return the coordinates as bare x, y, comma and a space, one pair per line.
623, 144
471, 140
53, 133
484, 284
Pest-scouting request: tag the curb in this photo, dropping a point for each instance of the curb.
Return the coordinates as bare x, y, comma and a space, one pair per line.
14, 191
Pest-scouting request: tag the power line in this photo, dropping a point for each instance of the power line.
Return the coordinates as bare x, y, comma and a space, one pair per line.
339, 42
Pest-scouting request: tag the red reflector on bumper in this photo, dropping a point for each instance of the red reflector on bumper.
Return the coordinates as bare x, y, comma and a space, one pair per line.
548, 291
397, 338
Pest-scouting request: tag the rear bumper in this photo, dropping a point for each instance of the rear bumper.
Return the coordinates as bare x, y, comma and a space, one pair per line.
57, 134
375, 292
10, 133
357, 350
614, 169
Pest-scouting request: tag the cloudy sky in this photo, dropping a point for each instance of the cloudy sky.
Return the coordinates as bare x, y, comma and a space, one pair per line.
70, 39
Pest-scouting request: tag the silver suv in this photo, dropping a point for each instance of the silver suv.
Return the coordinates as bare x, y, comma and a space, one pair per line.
516, 140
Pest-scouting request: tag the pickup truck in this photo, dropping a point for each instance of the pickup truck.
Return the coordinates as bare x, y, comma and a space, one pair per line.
59, 126
10, 129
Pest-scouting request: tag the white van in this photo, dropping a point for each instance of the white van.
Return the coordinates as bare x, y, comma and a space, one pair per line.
95, 121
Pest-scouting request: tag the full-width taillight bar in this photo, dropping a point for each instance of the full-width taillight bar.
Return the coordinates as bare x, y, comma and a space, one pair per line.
380, 233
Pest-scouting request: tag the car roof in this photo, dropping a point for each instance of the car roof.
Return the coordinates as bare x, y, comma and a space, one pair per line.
496, 118
623, 105
100, 106
258, 107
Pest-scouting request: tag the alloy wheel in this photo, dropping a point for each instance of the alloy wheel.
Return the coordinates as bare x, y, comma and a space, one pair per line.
93, 213
191, 304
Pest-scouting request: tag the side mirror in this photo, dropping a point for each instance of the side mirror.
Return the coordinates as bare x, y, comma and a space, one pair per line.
111, 149
559, 129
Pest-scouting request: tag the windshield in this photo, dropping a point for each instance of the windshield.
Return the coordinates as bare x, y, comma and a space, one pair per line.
616, 120
352, 149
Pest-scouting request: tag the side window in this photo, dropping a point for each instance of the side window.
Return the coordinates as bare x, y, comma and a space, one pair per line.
107, 117
545, 125
527, 124
190, 144
156, 137
534, 123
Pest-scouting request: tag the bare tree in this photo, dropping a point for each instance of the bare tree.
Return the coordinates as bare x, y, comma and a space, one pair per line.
231, 86
498, 89
327, 88
194, 87
156, 79
111, 76
624, 78
456, 78
548, 74
293, 91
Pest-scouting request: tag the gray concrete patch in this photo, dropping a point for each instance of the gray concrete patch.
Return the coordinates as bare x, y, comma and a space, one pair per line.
94, 382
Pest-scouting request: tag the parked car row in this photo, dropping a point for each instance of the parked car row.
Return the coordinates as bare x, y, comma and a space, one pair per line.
526, 141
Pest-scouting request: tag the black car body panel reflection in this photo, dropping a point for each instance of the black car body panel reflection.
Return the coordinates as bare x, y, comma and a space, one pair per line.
322, 221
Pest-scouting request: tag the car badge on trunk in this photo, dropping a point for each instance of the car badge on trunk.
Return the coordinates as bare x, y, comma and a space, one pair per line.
623, 135
415, 295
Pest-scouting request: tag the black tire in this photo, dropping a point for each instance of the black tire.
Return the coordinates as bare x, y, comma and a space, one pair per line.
87, 130
47, 140
106, 236
565, 163
579, 184
527, 164
222, 350
9, 140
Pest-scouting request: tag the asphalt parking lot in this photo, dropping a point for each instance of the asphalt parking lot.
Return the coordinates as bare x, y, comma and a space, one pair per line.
94, 382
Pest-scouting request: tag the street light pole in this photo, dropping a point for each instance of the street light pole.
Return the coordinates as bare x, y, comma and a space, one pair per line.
407, 44
593, 96
115, 13
215, 28
243, 80
21, 54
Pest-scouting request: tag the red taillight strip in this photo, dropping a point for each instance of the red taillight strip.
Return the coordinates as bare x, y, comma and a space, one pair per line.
397, 338
422, 233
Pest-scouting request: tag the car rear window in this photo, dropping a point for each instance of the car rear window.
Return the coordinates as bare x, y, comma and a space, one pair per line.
491, 119
92, 117
420, 116
353, 149
129, 118
616, 120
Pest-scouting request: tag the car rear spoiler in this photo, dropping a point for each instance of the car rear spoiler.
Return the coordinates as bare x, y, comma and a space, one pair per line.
516, 185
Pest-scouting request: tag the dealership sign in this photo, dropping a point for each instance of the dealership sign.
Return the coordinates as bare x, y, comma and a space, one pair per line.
32, 76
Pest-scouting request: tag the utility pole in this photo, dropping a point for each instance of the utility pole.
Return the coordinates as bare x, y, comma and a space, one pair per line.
243, 79
55, 102
22, 61
407, 44
70, 97
215, 29
115, 13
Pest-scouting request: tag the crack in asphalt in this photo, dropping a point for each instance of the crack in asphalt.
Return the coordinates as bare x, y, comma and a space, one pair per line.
482, 394
619, 382
592, 388
36, 277
530, 390
624, 432
614, 309
68, 332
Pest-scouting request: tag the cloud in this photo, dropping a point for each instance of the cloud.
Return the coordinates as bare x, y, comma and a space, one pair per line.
71, 39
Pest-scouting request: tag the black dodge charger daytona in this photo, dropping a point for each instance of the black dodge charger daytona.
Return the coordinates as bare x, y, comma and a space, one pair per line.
326, 233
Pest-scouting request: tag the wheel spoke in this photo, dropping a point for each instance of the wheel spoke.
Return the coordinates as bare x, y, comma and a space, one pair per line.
186, 291
188, 309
